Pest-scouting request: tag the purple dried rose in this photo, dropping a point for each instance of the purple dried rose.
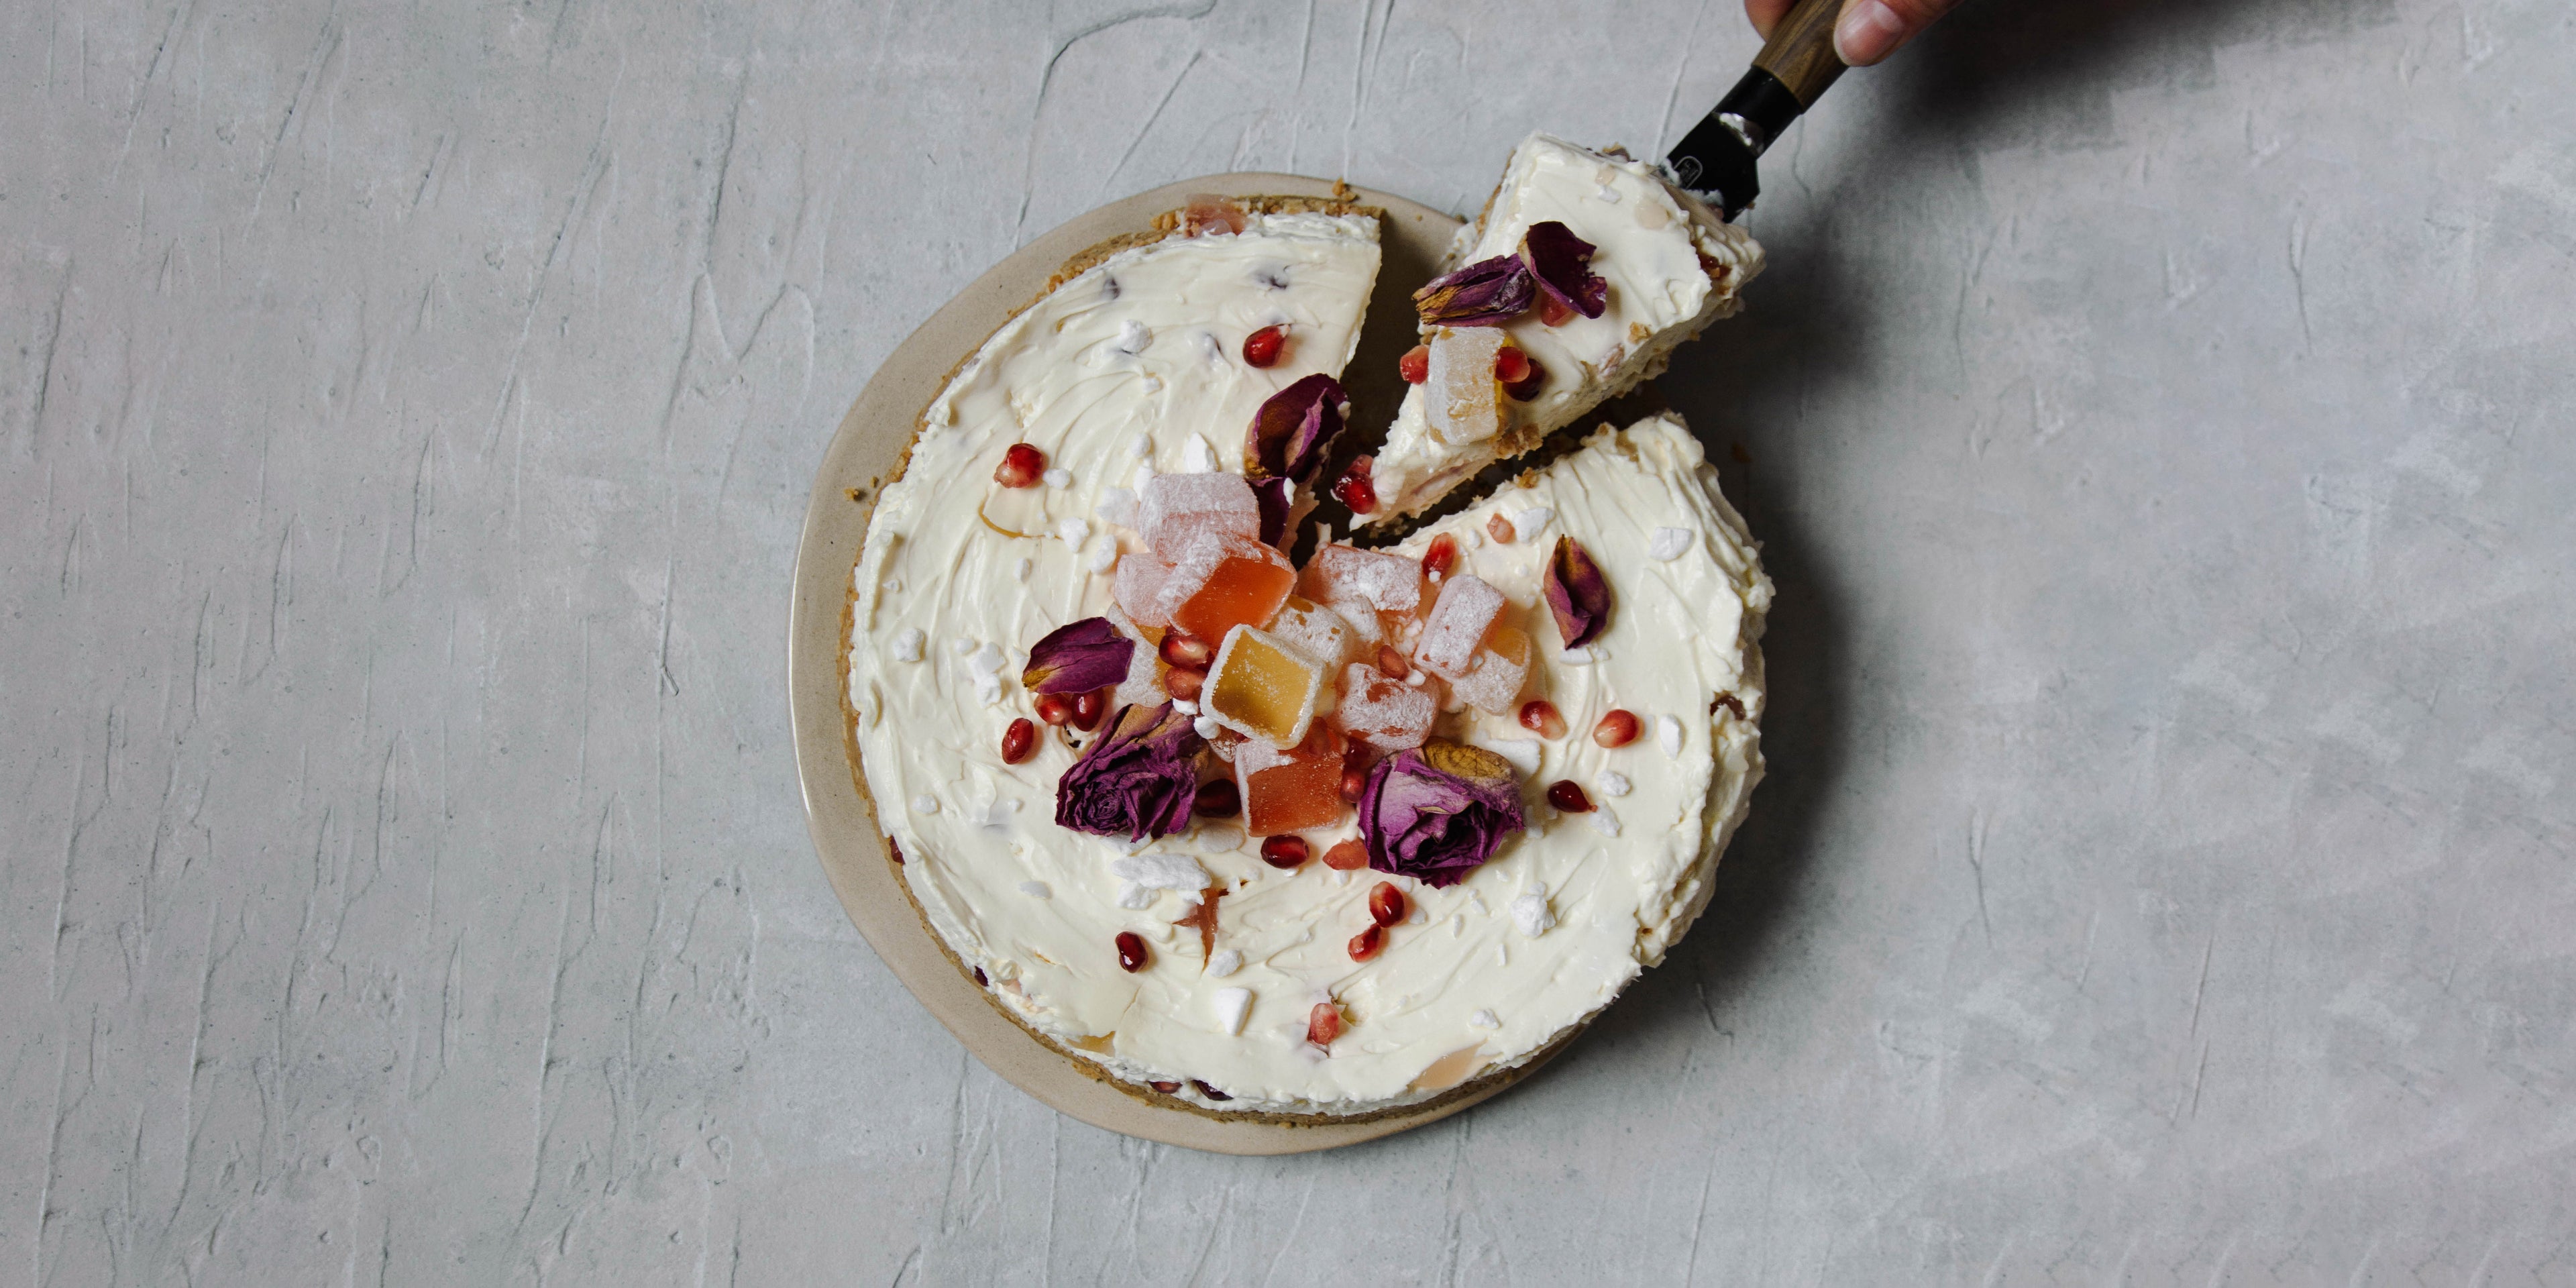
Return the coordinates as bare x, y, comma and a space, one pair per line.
1437, 812
1271, 498
1089, 654
1136, 779
1290, 432
1562, 264
1577, 594
1488, 292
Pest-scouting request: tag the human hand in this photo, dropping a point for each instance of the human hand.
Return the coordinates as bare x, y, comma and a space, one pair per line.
1869, 30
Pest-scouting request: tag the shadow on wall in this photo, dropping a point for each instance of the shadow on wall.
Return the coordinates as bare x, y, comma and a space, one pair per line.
1999, 74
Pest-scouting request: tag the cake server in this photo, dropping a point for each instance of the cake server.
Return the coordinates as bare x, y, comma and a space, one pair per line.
1719, 157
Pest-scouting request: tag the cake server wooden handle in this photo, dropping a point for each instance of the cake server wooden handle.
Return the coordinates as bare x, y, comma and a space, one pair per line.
1800, 54
1793, 70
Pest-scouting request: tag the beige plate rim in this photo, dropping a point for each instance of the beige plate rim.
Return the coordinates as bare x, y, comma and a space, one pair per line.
871, 437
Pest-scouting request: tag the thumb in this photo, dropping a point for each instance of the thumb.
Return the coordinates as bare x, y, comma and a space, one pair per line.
1870, 30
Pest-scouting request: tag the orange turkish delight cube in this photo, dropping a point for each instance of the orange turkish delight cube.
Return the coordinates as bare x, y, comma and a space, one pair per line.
1223, 580
1291, 791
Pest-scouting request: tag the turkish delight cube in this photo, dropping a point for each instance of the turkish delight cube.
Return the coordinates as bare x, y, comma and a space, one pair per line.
1261, 688
1460, 620
1174, 534
1138, 589
1216, 501
1223, 581
1343, 574
1464, 402
1320, 633
1493, 682
1384, 713
1296, 790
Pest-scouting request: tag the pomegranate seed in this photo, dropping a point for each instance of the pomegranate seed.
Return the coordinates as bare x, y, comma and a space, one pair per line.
1354, 489
1501, 529
1131, 952
1349, 856
1088, 708
1286, 852
1538, 715
1022, 466
1527, 387
1567, 796
1208, 1091
1442, 555
1261, 348
1386, 904
1511, 366
1391, 664
1323, 1024
1054, 708
1553, 311
1018, 740
1617, 728
1166, 1088
1186, 651
1218, 798
1415, 365
1354, 785
1183, 683
1365, 944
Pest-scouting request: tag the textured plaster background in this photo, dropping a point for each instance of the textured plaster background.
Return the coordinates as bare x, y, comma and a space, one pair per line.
2158, 416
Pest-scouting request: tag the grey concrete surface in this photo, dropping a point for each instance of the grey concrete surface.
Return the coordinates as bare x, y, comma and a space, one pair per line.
2157, 414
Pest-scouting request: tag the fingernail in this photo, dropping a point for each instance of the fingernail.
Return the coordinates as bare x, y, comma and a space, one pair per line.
1868, 32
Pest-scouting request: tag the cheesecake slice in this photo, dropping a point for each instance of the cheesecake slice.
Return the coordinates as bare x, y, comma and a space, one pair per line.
1665, 264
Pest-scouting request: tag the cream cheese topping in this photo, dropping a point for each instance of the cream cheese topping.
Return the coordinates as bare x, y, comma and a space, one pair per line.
1135, 358
1657, 247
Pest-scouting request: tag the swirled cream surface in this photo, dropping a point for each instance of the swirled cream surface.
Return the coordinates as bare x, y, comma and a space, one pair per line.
1673, 268
946, 603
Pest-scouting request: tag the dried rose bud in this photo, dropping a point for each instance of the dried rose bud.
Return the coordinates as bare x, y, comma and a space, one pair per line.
1488, 292
1436, 812
1294, 428
1089, 654
1022, 466
1577, 594
1561, 263
1617, 728
1137, 779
